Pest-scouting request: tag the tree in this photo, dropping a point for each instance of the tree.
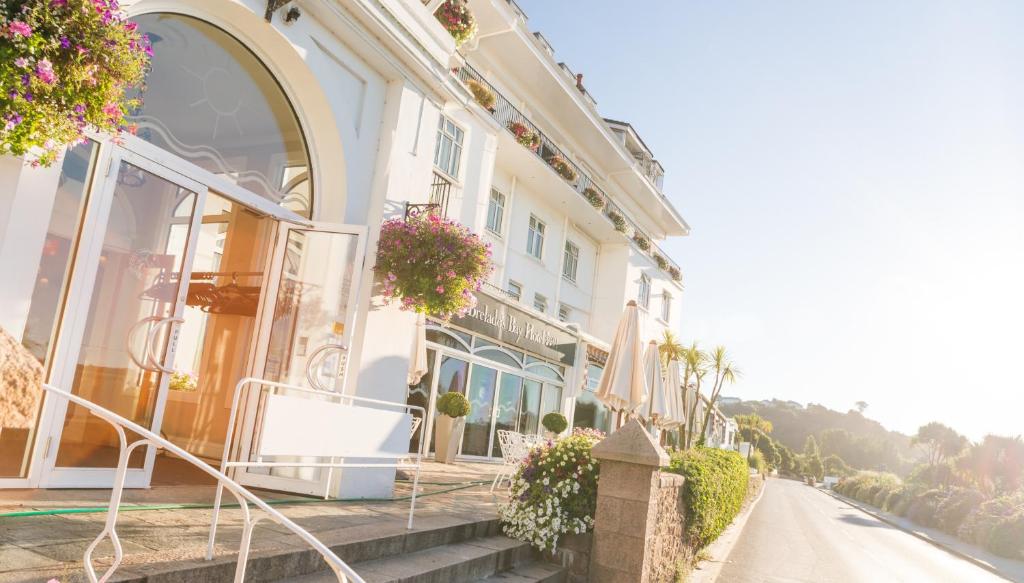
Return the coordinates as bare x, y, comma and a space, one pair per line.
811, 447
754, 427
670, 348
725, 371
861, 406
835, 466
812, 455
939, 442
694, 368
996, 464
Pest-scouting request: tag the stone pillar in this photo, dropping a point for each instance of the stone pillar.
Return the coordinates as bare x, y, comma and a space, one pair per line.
625, 524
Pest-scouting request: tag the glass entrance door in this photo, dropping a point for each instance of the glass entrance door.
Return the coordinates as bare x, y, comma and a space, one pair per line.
303, 333
118, 335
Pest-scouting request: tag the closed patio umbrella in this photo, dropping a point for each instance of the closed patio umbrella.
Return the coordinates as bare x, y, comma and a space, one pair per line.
418, 358
676, 407
622, 386
658, 409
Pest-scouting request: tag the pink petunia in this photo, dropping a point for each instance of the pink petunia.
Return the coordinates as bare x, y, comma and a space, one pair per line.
17, 27
44, 70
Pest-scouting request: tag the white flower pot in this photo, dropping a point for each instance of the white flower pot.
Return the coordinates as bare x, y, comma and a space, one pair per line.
447, 437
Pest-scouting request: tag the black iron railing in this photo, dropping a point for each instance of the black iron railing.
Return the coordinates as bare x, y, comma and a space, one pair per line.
508, 115
440, 192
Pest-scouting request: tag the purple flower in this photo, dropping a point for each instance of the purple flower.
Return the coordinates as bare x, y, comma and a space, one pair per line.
19, 28
65, 43
25, 79
79, 109
44, 70
58, 3
28, 96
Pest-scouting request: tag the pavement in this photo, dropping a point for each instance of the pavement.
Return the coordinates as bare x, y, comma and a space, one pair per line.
797, 534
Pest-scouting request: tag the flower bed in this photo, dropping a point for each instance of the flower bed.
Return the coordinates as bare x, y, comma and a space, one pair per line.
594, 197
563, 168
525, 136
433, 265
65, 67
482, 94
456, 18
554, 492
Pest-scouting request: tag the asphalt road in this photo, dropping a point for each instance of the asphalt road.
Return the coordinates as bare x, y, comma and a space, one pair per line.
796, 533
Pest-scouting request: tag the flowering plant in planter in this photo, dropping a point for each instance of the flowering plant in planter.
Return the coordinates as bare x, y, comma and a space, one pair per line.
661, 261
594, 197
562, 167
554, 492
675, 274
642, 241
456, 18
432, 265
482, 94
618, 221
64, 67
524, 135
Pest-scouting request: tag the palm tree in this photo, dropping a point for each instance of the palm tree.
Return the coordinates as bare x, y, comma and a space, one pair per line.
695, 367
755, 426
671, 349
725, 371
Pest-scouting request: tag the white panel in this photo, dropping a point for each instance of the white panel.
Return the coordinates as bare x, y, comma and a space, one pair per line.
311, 427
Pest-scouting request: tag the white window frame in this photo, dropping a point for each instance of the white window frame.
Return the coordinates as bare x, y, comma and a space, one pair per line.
542, 300
666, 306
643, 296
564, 312
496, 203
449, 132
570, 261
535, 238
517, 295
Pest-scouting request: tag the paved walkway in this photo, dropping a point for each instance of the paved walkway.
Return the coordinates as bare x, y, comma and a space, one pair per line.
34, 548
796, 533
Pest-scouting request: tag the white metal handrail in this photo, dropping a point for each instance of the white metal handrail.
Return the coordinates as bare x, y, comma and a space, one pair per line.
248, 383
344, 573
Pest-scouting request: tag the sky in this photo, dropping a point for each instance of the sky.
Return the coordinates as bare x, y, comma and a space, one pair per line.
854, 177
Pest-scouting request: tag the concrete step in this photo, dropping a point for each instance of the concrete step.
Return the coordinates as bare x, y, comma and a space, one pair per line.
462, 562
530, 572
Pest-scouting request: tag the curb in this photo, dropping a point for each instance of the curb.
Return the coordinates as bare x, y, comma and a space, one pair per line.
959, 554
708, 570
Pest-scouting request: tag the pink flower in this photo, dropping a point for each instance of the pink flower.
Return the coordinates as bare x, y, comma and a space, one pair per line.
21, 62
112, 109
17, 27
44, 70
439, 289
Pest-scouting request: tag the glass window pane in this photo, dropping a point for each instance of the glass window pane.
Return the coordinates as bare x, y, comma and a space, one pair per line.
551, 400
209, 100
446, 338
499, 357
529, 411
507, 416
481, 403
419, 395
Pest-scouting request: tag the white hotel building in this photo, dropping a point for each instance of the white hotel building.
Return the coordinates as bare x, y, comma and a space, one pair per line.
235, 235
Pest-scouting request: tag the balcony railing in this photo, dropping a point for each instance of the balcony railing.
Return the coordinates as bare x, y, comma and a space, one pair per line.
650, 168
440, 192
507, 114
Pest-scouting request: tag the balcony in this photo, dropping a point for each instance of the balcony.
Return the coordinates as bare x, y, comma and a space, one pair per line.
651, 169
509, 117
440, 192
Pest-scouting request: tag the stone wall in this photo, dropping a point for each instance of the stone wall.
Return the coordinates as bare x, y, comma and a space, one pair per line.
666, 548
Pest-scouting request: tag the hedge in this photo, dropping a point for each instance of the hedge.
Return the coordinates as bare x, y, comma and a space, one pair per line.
991, 521
716, 484
952, 511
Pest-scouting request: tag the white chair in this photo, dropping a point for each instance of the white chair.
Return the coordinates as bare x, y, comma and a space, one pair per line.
514, 450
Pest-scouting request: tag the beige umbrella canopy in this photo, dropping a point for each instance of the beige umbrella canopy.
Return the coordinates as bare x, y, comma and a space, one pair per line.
658, 409
622, 386
676, 407
418, 358
21, 379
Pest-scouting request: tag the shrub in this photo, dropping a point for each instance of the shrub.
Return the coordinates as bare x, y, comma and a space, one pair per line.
554, 422
641, 241
715, 486
756, 462
66, 66
434, 265
563, 168
978, 526
553, 493
453, 404
456, 18
482, 94
524, 135
594, 197
1007, 537
899, 501
618, 221
835, 466
869, 487
952, 511
923, 507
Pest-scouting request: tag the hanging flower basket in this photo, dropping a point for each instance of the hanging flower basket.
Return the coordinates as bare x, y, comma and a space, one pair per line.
524, 135
64, 68
456, 18
562, 167
594, 197
432, 265
618, 221
482, 94
642, 242
675, 274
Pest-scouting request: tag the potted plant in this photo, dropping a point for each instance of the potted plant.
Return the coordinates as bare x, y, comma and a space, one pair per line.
618, 221
482, 94
456, 18
432, 265
449, 423
594, 197
555, 423
675, 274
661, 261
526, 137
65, 69
642, 241
563, 168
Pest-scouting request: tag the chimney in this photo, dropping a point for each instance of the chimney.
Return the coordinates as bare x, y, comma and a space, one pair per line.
579, 83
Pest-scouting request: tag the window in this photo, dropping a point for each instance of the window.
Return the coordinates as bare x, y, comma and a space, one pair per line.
666, 306
495, 212
570, 261
535, 238
448, 151
540, 303
515, 290
564, 312
644, 296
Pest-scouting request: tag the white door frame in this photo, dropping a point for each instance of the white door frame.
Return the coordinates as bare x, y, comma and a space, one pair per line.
76, 313
248, 430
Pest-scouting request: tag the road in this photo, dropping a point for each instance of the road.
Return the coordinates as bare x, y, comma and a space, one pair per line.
796, 533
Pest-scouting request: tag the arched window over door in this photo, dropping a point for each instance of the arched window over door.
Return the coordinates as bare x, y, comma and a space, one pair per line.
209, 100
